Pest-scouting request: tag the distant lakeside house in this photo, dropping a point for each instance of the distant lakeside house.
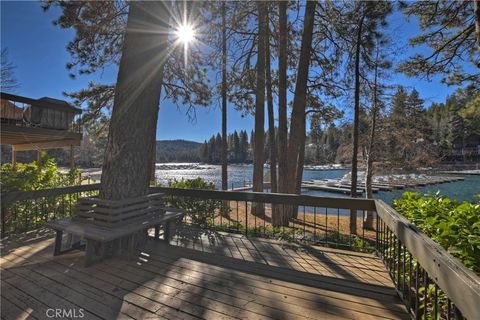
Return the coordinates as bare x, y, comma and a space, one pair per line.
465, 149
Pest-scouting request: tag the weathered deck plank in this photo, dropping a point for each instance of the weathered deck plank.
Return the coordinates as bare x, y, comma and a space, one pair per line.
229, 277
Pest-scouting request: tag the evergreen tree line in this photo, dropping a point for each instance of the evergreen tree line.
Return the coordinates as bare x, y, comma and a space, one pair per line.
408, 133
238, 144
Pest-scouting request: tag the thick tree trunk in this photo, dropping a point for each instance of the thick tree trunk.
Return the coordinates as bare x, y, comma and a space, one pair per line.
271, 119
368, 223
353, 190
126, 168
297, 122
224, 100
280, 217
258, 158
152, 163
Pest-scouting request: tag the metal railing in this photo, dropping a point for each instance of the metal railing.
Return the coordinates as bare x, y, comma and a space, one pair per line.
431, 282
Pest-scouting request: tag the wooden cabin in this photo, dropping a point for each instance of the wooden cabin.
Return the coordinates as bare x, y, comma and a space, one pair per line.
38, 124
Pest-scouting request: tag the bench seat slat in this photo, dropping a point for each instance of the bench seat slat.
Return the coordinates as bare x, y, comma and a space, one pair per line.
99, 233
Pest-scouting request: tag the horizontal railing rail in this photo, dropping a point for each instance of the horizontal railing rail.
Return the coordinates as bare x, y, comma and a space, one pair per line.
11, 197
276, 198
431, 282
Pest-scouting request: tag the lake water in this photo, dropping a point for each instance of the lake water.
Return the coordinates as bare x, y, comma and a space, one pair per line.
238, 174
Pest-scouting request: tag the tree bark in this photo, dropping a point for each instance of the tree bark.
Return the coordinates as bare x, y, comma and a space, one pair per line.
295, 156
132, 131
297, 122
301, 158
258, 158
476, 9
368, 223
280, 217
153, 163
271, 119
353, 190
224, 100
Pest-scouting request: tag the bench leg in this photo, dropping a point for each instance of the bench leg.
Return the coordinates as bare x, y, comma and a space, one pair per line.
94, 252
131, 246
58, 243
157, 232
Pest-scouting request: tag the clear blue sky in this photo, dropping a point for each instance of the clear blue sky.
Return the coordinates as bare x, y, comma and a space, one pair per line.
38, 49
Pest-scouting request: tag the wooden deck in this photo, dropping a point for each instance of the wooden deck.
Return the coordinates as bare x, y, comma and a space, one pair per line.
219, 276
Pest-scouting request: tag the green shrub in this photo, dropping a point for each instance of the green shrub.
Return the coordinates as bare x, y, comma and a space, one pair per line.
452, 224
200, 211
32, 176
29, 214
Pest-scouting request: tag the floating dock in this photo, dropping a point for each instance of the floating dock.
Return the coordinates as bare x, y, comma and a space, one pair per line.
323, 187
342, 186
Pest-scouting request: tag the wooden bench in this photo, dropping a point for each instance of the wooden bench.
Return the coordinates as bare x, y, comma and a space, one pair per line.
114, 227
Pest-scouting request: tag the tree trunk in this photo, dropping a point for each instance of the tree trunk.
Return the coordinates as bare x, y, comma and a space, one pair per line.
353, 213
126, 168
301, 159
297, 122
258, 158
295, 156
280, 217
152, 164
476, 9
224, 100
271, 119
368, 223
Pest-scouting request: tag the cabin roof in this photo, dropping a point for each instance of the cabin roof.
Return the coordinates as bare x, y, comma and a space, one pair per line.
44, 102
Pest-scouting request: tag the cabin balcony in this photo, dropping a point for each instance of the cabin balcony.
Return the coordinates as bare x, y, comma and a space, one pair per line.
227, 261
36, 124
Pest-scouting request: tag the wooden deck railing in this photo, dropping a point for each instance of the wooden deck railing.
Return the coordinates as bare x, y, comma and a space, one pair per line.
432, 283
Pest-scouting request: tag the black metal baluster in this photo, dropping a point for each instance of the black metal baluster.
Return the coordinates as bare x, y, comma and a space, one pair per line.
314, 224
399, 257
417, 288
395, 260
265, 218
410, 281
246, 218
425, 295
255, 218
449, 309
238, 222
338, 226
26, 218
15, 214
304, 223
435, 303
363, 228
404, 259
326, 225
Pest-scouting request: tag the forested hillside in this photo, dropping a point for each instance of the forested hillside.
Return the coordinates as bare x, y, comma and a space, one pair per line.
177, 151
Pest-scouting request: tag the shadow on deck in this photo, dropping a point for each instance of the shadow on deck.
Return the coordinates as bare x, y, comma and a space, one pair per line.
214, 276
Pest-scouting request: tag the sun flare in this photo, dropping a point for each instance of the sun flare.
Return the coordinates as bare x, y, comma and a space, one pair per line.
185, 33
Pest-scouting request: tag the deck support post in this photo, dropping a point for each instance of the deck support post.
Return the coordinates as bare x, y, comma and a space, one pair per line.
72, 160
14, 156
58, 243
